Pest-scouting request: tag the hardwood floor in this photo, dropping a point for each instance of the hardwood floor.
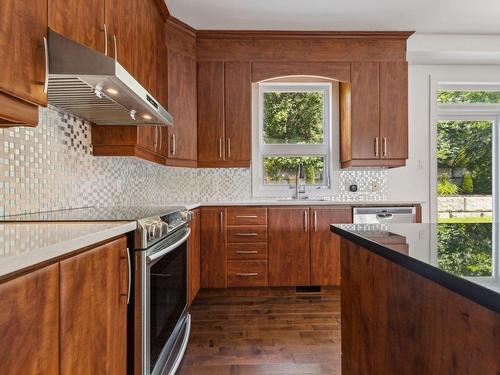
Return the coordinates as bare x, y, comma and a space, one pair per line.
267, 333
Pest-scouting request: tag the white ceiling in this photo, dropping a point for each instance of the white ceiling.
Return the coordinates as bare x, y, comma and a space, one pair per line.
423, 16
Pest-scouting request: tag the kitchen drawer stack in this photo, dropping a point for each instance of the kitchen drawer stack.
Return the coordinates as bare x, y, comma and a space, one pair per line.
246, 246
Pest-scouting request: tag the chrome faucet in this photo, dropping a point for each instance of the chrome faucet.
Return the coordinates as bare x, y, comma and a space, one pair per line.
299, 189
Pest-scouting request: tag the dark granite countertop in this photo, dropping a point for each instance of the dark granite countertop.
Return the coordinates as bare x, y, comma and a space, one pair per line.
460, 257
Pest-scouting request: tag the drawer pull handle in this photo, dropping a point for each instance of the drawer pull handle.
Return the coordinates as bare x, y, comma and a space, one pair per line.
247, 274
247, 252
246, 216
247, 234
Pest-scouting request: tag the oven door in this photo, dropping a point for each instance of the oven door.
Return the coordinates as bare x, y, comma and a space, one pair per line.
164, 293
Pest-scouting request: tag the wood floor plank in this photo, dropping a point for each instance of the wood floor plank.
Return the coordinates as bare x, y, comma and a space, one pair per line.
258, 333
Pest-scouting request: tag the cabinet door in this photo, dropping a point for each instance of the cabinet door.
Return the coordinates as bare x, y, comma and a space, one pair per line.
22, 29
325, 245
210, 112
365, 141
194, 256
288, 246
29, 323
147, 137
122, 24
145, 48
238, 102
93, 323
394, 110
182, 105
81, 21
213, 252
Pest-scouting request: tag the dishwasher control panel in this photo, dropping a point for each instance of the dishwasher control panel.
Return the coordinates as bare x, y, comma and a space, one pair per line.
375, 215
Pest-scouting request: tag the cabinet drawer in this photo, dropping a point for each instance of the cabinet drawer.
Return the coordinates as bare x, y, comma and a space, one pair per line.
247, 233
246, 251
247, 216
246, 273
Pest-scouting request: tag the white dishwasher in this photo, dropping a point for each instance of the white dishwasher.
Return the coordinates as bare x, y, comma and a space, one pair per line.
383, 215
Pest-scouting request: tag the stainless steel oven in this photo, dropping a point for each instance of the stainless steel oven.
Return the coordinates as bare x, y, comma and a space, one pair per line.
161, 319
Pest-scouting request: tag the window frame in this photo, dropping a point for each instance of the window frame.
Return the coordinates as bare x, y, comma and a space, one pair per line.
467, 112
262, 150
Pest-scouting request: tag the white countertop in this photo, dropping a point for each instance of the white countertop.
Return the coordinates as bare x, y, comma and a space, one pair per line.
293, 202
24, 245
27, 244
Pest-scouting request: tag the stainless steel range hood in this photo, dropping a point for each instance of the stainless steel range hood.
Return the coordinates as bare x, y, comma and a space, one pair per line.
93, 86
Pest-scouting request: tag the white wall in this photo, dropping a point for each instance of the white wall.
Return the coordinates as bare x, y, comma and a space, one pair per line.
458, 52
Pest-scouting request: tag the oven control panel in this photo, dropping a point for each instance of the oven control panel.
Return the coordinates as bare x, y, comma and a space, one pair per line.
153, 229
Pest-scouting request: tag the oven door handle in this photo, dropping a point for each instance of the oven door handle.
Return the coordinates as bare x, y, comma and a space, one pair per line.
151, 258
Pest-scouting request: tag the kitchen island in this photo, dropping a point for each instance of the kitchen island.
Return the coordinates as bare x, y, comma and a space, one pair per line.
419, 299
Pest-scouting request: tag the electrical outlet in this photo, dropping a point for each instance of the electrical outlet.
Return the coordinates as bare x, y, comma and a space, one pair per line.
375, 186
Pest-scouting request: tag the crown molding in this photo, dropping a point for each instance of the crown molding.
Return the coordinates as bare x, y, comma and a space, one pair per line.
181, 26
268, 34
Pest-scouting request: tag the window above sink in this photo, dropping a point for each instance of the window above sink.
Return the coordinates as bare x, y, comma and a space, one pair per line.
294, 128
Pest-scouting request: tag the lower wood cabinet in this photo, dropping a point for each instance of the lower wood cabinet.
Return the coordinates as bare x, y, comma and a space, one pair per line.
29, 323
325, 245
194, 272
247, 273
289, 263
213, 252
69, 317
93, 321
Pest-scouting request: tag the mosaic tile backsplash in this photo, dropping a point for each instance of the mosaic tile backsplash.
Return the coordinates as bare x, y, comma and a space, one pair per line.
51, 167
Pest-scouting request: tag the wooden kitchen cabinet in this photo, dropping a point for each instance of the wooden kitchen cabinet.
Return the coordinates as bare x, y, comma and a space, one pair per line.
325, 245
238, 112
22, 76
374, 115
213, 252
29, 323
224, 114
81, 21
247, 273
289, 263
93, 310
394, 110
145, 142
182, 106
122, 27
211, 114
194, 272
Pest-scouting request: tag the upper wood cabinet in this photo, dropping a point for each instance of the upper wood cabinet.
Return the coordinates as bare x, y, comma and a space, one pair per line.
81, 21
224, 114
238, 112
213, 253
288, 229
94, 289
145, 142
325, 245
29, 323
122, 27
374, 115
394, 110
182, 106
23, 27
211, 113
173, 83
